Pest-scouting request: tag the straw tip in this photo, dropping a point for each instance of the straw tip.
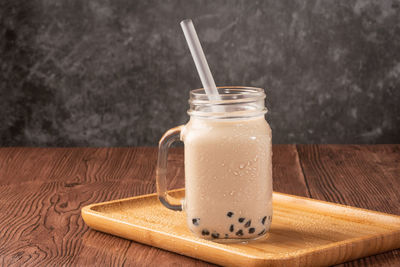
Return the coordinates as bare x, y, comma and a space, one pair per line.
186, 21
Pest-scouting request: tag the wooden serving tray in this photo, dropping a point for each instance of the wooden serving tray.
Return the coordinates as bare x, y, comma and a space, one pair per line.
304, 232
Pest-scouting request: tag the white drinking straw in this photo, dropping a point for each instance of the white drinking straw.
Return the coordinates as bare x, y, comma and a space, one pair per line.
199, 59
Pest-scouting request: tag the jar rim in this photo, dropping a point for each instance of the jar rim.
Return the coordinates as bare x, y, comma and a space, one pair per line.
233, 102
229, 93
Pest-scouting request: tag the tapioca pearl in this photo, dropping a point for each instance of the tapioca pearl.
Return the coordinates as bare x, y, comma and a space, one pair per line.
263, 219
232, 228
196, 221
229, 214
205, 232
239, 233
241, 219
215, 235
247, 224
252, 230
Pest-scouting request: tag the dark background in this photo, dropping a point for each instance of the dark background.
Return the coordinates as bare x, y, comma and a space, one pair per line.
118, 72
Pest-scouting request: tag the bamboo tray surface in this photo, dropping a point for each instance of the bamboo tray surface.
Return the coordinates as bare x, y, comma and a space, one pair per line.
304, 231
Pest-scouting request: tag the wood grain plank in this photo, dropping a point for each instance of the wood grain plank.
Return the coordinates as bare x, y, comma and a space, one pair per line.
365, 176
286, 171
353, 175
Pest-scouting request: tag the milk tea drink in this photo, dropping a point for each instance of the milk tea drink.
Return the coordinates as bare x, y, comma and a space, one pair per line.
228, 166
228, 177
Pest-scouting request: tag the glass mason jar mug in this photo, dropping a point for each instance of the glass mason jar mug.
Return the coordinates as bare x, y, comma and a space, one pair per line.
228, 168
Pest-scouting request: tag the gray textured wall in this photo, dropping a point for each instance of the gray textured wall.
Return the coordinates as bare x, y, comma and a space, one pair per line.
118, 72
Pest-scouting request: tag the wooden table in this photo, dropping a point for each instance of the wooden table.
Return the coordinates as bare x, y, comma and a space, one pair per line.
43, 189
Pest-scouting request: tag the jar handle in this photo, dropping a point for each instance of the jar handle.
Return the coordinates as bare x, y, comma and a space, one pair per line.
166, 140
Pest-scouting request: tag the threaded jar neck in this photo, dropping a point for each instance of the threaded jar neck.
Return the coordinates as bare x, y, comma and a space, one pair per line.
234, 102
